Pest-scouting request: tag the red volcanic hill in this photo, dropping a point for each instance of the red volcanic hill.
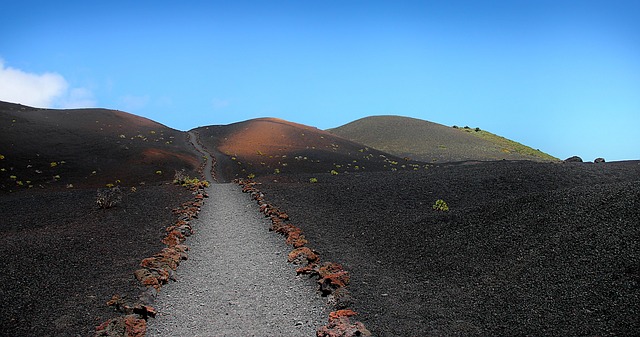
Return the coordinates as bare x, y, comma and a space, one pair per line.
272, 146
86, 147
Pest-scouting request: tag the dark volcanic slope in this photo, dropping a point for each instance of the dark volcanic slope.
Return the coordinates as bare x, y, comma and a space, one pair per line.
432, 142
86, 147
63, 258
273, 146
526, 248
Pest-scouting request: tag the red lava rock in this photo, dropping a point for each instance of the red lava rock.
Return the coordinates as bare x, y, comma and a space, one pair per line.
331, 277
153, 277
140, 309
301, 255
275, 223
127, 326
135, 326
295, 238
309, 269
285, 229
160, 262
297, 242
144, 311
283, 215
101, 330
329, 268
174, 238
341, 313
145, 277
342, 327
333, 281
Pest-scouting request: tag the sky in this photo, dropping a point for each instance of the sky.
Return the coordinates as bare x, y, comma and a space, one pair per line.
559, 76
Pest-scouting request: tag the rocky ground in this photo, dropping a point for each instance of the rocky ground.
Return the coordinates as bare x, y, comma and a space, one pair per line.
64, 258
237, 281
524, 249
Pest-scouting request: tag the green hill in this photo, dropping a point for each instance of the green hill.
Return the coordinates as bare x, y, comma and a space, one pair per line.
431, 142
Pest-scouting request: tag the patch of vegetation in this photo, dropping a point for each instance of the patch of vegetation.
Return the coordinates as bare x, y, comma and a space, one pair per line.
182, 179
313, 180
109, 197
440, 205
509, 146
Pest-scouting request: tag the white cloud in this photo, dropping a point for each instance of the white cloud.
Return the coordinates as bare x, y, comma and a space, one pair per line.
77, 98
48, 90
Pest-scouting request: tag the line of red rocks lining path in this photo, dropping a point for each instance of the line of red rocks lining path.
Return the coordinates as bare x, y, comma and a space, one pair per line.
332, 279
157, 270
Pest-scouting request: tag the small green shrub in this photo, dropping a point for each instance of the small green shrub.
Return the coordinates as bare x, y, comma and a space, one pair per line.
313, 180
440, 205
334, 172
182, 179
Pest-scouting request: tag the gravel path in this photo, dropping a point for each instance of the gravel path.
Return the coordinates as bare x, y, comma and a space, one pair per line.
208, 158
237, 281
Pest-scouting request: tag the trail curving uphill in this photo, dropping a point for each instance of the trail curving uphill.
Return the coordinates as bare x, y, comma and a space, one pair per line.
209, 159
237, 281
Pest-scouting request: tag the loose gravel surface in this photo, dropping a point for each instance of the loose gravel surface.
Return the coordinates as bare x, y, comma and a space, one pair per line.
237, 281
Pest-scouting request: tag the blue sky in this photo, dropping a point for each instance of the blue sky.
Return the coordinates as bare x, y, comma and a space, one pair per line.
561, 76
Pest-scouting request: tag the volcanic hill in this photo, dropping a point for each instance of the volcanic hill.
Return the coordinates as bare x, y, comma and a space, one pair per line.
525, 248
87, 147
64, 257
431, 142
273, 146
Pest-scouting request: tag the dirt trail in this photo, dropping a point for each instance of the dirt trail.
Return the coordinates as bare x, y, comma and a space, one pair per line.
209, 159
237, 281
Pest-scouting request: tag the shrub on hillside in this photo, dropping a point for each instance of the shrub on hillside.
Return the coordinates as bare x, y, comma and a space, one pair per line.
440, 205
182, 179
108, 197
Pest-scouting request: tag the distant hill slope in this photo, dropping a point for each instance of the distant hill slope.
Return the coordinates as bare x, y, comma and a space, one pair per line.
86, 147
432, 142
266, 146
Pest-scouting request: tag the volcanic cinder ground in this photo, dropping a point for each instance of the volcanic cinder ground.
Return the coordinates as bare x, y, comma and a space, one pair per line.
526, 248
